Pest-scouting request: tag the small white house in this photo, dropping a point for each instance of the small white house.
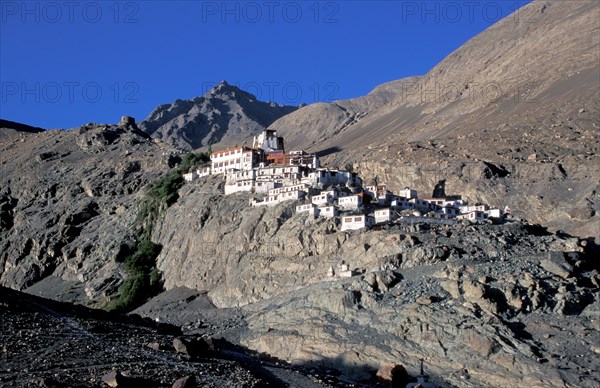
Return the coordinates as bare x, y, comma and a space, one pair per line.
322, 199
449, 211
493, 213
356, 222
236, 187
351, 202
435, 201
345, 271
272, 200
422, 205
263, 187
287, 189
332, 177
328, 211
190, 176
401, 203
383, 216
408, 193
472, 216
379, 194
473, 208
309, 209
206, 171
290, 195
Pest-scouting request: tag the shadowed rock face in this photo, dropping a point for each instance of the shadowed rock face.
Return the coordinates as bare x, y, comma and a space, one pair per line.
225, 114
49, 344
512, 118
7, 127
67, 203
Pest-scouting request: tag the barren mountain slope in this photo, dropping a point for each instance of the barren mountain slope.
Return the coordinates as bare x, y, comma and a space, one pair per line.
225, 114
10, 127
523, 97
308, 126
68, 200
545, 52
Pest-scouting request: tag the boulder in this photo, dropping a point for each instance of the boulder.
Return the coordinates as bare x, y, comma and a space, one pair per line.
114, 379
127, 121
392, 375
195, 347
185, 382
557, 265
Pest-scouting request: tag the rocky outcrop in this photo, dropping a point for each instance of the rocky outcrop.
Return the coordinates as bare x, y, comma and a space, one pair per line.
464, 297
67, 203
558, 192
476, 323
225, 115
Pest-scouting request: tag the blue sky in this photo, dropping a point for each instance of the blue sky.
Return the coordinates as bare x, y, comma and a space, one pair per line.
67, 63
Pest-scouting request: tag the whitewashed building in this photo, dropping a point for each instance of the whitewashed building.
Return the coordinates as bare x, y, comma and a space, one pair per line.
263, 187
383, 216
272, 200
268, 141
190, 176
422, 205
286, 189
323, 198
237, 158
239, 186
408, 193
473, 208
356, 222
327, 177
435, 201
328, 211
309, 209
380, 194
401, 203
449, 211
472, 216
351, 202
279, 174
344, 271
493, 213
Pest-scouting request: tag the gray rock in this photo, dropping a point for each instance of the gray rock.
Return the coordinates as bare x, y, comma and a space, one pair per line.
185, 382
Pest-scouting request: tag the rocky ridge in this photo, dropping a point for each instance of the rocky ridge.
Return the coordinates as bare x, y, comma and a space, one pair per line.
421, 291
68, 200
225, 115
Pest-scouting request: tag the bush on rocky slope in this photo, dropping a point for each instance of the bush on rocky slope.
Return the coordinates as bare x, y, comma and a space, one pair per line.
144, 279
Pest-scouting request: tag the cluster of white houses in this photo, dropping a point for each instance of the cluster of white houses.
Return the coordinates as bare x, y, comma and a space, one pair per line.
267, 169
376, 205
275, 177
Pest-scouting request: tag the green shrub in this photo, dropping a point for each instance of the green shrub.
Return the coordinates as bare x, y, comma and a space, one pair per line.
193, 160
131, 293
143, 280
166, 189
144, 258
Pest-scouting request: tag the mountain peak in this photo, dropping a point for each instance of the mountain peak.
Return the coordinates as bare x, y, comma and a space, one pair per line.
225, 113
224, 87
